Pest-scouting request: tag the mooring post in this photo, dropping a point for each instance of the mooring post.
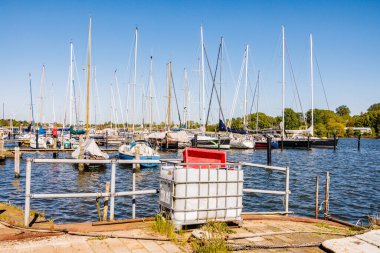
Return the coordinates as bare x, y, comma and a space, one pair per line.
37, 146
282, 143
106, 139
55, 147
112, 198
218, 141
334, 141
195, 140
166, 141
327, 194
81, 153
17, 162
316, 197
134, 189
105, 208
28, 173
359, 136
269, 150
2, 155
308, 142
287, 190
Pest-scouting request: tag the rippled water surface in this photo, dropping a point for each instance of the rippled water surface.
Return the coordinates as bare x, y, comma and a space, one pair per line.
354, 187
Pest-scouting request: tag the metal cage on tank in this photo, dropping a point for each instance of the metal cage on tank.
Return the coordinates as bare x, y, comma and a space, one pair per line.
196, 193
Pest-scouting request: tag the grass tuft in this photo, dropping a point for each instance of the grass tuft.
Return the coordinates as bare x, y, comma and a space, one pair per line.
216, 241
165, 227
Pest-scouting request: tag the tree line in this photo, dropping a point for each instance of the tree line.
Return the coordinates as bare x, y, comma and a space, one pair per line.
326, 122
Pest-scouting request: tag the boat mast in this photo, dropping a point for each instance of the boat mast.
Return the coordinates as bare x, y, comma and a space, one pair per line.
42, 95
312, 84
203, 80
186, 97
71, 84
52, 91
134, 83
246, 86
169, 92
88, 80
31, 98
257, 101
220, 76
283, 82
150, 94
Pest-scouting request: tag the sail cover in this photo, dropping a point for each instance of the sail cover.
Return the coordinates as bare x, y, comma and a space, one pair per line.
223, 128
91, 149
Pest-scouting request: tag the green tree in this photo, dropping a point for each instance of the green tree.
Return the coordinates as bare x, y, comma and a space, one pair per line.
292, 119
343, 110
374, 107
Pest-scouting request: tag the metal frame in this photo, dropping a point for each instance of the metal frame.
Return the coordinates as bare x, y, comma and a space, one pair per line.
207, 182
112, 194
286, 191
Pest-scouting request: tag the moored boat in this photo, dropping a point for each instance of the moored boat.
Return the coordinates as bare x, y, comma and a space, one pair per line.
139, 149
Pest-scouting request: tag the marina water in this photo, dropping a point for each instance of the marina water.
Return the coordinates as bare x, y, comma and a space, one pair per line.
354, 187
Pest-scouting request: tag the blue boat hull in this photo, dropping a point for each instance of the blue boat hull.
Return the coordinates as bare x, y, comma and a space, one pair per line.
130, 157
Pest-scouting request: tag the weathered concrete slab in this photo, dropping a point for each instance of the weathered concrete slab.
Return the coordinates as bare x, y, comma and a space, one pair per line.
367, 242
372, 237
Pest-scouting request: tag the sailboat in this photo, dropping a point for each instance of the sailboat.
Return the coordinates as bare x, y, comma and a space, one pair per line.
40, 142
137, 149
295, 141
315, 141
243, 141
89, 149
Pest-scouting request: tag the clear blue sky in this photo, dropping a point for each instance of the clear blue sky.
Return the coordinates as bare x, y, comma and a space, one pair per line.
346, 42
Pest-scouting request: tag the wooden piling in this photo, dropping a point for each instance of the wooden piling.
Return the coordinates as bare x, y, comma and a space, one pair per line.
37, 139
334, 141
316, 197
137, 157
17, 162
195, 141
81, 152
55, 147
269, 151
2, 153
218, 141
327, 194
106, 139
282, 143
308, 142
359, 136
105, 207
166, 141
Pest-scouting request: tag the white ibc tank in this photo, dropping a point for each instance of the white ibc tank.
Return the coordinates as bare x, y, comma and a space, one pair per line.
195, 196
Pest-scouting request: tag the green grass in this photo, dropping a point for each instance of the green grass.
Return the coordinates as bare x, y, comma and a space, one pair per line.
216, 242
210, 246
164, 227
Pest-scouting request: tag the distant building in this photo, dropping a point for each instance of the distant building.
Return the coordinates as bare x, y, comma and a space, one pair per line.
362, 130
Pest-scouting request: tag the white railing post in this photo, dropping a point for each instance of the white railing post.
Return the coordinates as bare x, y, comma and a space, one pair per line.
28, 173
112, 198
287, 190
134, 189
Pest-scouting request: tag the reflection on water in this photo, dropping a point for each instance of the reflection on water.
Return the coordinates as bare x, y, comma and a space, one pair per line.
354, 188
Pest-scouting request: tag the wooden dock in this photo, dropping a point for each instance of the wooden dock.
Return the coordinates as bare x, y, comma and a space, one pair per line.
258, 234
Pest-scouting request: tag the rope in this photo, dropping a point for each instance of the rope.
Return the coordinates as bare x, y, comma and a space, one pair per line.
284, 233
60, 231
236, 247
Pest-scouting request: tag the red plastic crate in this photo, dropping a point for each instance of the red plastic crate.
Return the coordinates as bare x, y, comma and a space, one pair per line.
199, 155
